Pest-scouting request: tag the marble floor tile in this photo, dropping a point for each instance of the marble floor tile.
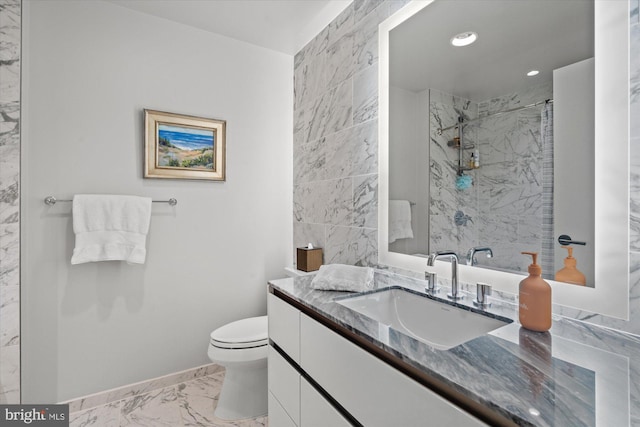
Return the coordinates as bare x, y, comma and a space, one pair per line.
142, 387
198, 399
154, 409
101, 416
190, 403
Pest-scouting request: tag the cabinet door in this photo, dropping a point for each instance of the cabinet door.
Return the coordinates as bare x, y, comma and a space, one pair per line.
315, 411
278, 417
372, 391
284, 326
284, 384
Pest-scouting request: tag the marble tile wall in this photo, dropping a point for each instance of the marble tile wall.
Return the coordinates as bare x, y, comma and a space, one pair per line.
445, 198
335, 153
10, 46
510, 176
505, 201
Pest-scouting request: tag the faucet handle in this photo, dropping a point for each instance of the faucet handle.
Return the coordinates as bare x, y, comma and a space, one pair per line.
432, 282
483, 290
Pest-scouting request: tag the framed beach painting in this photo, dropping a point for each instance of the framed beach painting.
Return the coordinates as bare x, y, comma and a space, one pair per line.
184, 147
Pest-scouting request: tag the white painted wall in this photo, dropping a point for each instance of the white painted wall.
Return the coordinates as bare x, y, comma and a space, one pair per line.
574, 160
90, 69
409, 163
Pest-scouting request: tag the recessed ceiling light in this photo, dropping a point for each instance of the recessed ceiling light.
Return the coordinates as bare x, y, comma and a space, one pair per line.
533, 73
464, 39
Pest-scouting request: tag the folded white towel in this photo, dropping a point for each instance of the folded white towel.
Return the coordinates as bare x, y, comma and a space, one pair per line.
110, 227
340, 277
399, 220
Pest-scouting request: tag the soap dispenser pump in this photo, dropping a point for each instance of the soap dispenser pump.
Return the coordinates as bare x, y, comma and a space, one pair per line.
570, 273
535, 299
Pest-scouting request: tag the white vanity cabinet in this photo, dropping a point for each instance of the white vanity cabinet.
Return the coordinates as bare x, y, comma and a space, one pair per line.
284, 326
315, 411
284, 391
369, 390
284, 379
293, 401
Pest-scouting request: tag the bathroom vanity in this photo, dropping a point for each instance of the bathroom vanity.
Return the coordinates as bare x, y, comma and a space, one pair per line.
331, 365
329, 370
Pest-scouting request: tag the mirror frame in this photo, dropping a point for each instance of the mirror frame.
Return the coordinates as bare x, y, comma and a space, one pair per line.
610, 296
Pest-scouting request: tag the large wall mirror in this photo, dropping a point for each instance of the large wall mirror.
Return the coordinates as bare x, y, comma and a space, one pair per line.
504, 145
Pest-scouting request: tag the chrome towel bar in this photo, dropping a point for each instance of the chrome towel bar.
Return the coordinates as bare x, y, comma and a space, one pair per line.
51, 200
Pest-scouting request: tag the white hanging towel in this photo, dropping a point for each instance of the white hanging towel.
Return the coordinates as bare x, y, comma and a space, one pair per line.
110, 228
399, 220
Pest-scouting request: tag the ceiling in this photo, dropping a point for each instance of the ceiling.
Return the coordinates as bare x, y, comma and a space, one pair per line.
514, 37
282, 25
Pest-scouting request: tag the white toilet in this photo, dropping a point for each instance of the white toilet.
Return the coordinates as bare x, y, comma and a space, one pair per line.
241, 347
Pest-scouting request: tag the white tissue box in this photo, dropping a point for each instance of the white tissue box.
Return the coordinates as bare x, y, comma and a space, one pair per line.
309, 259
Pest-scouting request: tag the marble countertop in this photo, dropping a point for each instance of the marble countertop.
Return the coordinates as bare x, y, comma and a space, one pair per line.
577, 374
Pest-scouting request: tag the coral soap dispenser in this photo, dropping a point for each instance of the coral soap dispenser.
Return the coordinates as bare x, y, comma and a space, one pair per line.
570, 273
535, 299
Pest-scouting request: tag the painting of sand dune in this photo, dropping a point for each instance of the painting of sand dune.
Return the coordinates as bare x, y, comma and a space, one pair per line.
184, 147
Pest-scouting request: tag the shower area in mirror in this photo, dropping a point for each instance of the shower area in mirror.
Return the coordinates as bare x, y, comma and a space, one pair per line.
500, 156
505, 156
497, 145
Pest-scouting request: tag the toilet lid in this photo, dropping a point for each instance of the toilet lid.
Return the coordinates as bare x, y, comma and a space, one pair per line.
251, 332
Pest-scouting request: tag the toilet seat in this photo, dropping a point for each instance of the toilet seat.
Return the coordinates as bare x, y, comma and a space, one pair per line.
246, 333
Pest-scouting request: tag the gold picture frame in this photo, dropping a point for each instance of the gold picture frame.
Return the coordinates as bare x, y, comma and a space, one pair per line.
183, 147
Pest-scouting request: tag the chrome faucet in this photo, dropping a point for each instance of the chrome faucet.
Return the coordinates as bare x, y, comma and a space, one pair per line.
471, 255
454, 270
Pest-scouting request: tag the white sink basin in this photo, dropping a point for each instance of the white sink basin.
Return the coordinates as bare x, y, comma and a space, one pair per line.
438, 324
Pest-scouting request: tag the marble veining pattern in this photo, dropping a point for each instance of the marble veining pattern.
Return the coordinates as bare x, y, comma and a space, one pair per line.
331, 113
329, 202
305, 233
365, 200
505, 200
335, 160
368, 16
351, 245
365, 99
157, 408
351, 152
10, 374
510, 370
364, 7
190, 403
137, 389
9, 312
10, 254
106, 416
10, 45
445, 199
339, 65
309, 160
